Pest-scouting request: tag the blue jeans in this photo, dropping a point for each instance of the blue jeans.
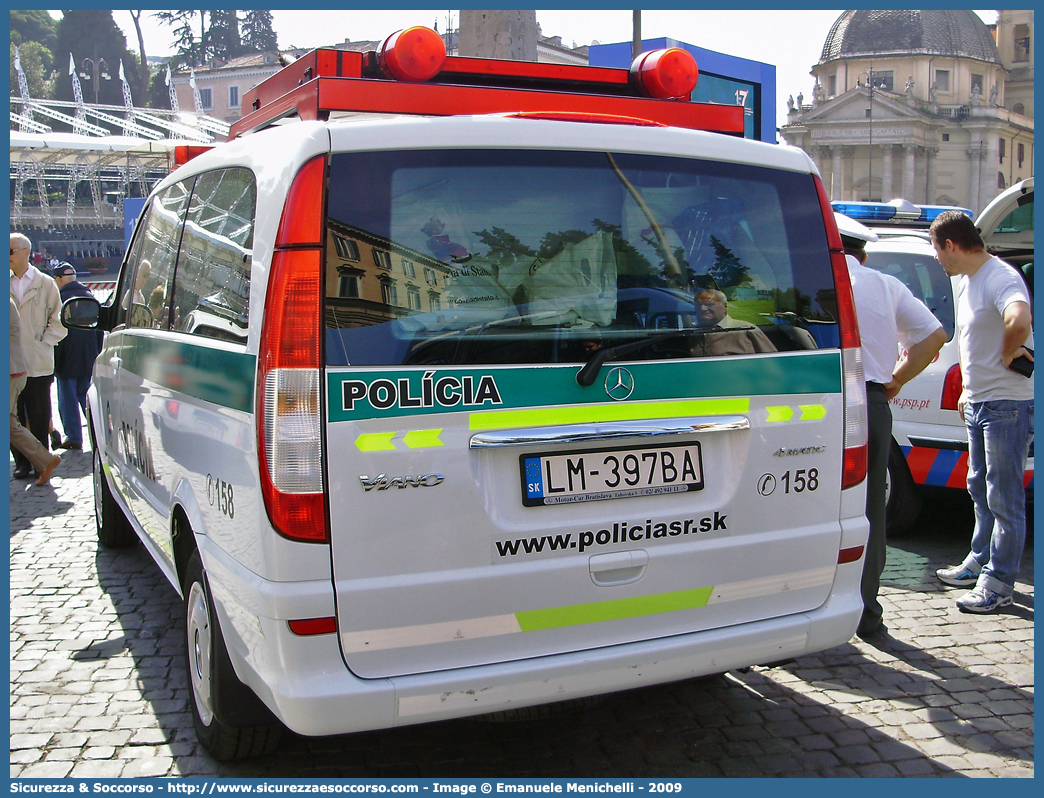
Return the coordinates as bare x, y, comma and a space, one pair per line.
72, 395
999, 435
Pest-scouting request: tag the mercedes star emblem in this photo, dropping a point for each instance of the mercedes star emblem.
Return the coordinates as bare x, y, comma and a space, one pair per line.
619, 383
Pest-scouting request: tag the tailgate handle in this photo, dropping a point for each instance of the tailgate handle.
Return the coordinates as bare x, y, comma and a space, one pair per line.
579, 433
618, 568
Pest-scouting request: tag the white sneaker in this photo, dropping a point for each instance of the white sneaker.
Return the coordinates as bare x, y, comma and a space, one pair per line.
981, 599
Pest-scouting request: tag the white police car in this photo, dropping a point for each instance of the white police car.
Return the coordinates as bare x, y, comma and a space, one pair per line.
930, 446
414, 409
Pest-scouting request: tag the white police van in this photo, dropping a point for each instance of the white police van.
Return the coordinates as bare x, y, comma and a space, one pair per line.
930, 442
420, 411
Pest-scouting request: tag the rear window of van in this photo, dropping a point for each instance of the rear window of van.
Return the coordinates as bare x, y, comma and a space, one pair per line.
443, 257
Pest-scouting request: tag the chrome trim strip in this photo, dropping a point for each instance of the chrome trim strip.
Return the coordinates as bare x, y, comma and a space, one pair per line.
581, 433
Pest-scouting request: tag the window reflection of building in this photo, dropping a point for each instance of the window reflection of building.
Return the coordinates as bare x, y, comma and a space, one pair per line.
346, 248
361, 293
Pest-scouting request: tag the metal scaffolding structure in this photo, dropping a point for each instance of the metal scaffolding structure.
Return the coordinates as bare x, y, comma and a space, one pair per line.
54, 164
119, 151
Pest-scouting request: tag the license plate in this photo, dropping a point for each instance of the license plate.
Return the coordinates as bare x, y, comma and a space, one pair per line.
599, 474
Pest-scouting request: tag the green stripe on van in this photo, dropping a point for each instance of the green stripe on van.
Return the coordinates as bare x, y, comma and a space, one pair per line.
363, 393
613, 609
201, 371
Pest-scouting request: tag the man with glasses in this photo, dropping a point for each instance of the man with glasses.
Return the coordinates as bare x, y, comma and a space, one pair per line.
720, 334
39, 312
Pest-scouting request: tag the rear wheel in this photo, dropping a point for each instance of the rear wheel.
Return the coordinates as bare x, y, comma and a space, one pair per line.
903, 500
231, 722
114, 530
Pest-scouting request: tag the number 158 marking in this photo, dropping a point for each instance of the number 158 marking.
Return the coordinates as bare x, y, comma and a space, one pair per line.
801, 481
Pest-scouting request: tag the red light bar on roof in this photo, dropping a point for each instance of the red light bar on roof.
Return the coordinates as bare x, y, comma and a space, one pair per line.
411, 74
414, 54
665, 74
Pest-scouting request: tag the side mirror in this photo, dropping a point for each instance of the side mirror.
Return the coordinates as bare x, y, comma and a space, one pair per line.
81, 313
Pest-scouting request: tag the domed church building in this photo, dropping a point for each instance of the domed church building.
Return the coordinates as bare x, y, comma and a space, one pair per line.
933, 107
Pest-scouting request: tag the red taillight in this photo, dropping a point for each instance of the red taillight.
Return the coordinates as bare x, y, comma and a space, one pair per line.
665, 74
853, 469
290, 338
953, 386
413, 54
288, 391
313, 626
848, 324
302, 222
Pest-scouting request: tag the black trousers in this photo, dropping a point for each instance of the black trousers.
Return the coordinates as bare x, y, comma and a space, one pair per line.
879, 417
34, 411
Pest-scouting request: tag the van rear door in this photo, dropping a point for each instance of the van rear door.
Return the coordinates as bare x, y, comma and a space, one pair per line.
487, 505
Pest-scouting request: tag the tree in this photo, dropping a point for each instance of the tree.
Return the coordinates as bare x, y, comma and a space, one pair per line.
224, 34
258, 35
36, 64
728, 270
34, 26
505, 249
143, 78
92, 34
159, 96
191, 51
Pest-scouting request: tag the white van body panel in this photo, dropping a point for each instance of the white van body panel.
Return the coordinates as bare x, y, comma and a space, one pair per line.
406, 567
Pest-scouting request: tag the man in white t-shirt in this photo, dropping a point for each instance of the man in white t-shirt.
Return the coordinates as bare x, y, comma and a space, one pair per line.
995, 323
889, 316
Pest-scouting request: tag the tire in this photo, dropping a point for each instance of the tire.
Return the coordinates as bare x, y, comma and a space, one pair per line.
903, 501
114, 530
231, 721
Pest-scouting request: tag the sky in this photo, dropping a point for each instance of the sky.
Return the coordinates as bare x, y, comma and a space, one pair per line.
789, 40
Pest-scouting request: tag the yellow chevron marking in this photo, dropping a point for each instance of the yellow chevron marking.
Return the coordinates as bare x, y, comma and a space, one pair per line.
812, 412
422, 438
375, 442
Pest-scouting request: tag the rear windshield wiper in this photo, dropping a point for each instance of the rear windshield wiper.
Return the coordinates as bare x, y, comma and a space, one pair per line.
589, 372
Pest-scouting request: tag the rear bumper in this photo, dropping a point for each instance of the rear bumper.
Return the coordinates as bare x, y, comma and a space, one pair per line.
306, 683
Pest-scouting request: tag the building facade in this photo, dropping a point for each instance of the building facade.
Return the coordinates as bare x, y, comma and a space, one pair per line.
933, 107
222, 84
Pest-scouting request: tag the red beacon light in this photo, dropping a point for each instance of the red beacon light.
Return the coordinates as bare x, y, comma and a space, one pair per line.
414, 54
665, 74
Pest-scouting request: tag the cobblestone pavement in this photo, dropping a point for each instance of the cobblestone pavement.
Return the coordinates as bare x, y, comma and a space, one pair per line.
98, 688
